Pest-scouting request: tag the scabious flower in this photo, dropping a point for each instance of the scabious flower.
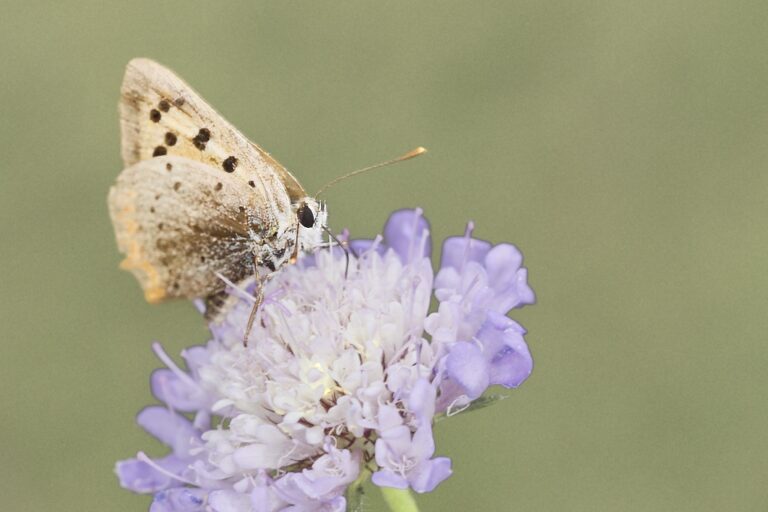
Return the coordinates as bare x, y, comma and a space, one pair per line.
344, 375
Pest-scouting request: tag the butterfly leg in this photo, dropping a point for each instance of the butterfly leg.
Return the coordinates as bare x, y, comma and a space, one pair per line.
254, 311
261, 281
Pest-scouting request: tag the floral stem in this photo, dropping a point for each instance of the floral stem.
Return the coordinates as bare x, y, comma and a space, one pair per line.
355, 493
399, 500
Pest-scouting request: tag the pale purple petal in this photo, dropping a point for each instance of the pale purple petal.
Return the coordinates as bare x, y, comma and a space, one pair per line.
169, 427
140, 477
423, 443
507, 278
408, 463
328, 477
386, 478
229, 501
407, 232
421, 400
179, 499
428, 475
451, 396
466, 365
288, 490
177, 392
263, 497
312, 487
487, 278
507, 353
391, 443
361, 246
458, 250
338, 504
269, 448
195, 357
388, 418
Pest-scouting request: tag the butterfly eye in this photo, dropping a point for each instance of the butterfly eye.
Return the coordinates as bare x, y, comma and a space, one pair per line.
306, 217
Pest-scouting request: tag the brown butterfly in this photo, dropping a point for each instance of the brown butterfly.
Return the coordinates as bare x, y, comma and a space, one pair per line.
197, 200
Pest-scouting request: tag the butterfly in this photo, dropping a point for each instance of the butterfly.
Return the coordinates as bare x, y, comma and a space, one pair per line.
198, 204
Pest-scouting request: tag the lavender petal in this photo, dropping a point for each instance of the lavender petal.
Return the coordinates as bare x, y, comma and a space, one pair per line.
466, 365
429, 474
509, 358
404, 232
172, 429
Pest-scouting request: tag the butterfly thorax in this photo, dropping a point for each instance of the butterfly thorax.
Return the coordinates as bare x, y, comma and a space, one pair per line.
274, 247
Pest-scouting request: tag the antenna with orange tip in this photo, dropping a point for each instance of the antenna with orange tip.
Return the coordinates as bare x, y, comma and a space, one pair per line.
411, 154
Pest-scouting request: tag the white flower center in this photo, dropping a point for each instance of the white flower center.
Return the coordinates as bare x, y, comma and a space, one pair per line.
322, 358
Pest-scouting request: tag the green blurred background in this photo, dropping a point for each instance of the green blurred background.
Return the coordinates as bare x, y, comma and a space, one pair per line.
621, 145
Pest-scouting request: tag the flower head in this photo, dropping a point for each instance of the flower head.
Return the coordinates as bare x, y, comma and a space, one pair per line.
345, 371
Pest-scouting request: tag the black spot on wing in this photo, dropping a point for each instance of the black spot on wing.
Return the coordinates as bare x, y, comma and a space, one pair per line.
155, 115
179, 102
230, 164
159, 151
170, 139
202, 137
164, 106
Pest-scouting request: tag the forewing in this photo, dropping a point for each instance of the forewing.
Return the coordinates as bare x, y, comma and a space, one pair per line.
180, 221
161, 115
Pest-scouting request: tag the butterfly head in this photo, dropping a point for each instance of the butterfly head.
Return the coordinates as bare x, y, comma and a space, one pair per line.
311, 216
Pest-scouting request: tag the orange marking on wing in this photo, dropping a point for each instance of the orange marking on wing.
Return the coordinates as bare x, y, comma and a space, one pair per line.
136, 262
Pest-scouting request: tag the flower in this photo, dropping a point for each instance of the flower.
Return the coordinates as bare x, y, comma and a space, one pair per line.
345, 372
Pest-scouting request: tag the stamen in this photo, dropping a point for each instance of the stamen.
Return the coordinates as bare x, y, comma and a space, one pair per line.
293, 342
375, 244
456, 407
467, 295
469, 229
468, 237
272, 299
418, 212
286, 457
167, 361
236, 289
143, 457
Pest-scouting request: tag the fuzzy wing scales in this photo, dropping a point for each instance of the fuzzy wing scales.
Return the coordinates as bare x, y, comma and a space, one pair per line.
180, 221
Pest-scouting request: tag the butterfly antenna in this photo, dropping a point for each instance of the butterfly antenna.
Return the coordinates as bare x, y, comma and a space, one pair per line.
411, 154
343, 248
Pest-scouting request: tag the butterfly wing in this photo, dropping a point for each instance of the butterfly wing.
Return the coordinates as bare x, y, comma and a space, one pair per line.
161, 115
179, 222
196, 197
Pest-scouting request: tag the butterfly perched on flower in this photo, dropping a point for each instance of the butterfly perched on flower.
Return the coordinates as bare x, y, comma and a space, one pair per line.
197, 201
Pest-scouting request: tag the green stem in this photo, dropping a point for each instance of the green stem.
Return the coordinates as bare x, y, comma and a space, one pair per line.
355, 492
399, 500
